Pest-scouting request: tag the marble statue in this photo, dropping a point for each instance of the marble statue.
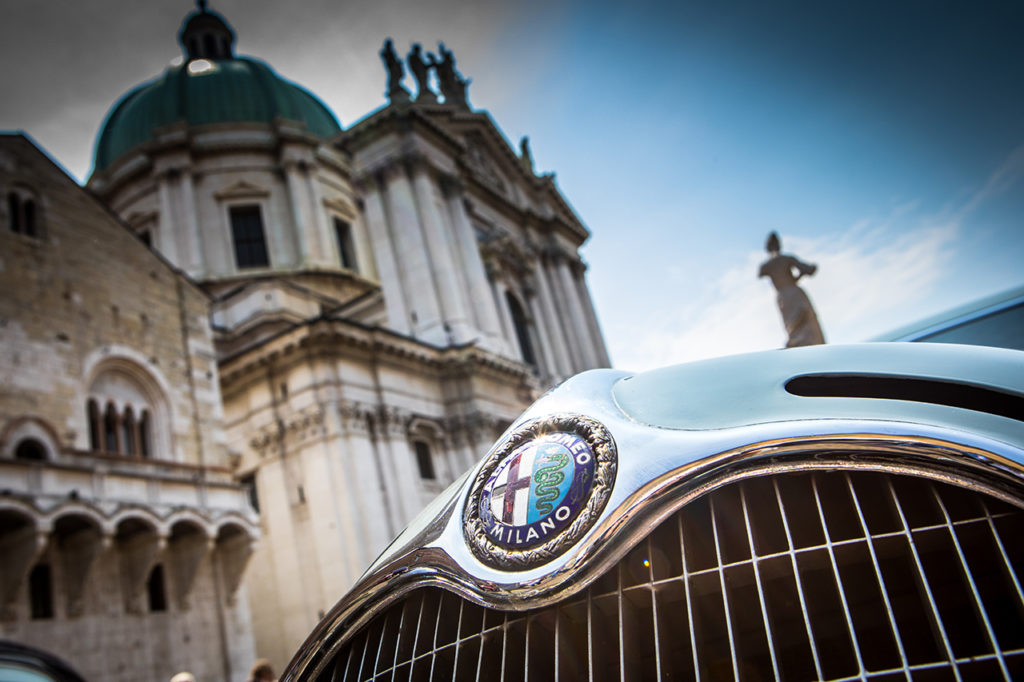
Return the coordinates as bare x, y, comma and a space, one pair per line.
420, 69
396, 72
453, 85
525, 155
797, 312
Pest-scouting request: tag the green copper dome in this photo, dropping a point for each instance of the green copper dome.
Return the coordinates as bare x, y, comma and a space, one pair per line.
212, 86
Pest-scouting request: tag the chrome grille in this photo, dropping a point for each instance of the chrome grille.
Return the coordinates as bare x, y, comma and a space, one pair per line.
794, 576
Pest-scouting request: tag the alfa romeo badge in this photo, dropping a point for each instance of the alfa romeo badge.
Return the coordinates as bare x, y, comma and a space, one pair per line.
540, 491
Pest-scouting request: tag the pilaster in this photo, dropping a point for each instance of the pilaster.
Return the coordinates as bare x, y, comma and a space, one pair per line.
384, 255
438, 242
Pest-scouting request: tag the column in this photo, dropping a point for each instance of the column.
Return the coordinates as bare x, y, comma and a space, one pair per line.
477, 286
578, 323
453, 305
559, 347
187, 203
540, 332
501, 301
387, 265
167, 236
299, 211
411, 257
587, 303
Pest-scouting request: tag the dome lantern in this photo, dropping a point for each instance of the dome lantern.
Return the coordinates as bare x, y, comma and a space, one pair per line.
206, 35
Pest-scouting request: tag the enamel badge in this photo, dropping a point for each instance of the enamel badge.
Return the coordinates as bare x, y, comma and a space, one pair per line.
540, 491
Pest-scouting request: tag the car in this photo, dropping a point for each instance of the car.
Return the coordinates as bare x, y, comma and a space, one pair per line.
20, 663
827, 512
996, 320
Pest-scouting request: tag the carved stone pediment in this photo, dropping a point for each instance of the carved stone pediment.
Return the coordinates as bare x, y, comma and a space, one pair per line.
482, 163
242, 190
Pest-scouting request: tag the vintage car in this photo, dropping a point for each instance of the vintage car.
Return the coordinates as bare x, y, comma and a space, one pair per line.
20, 663
831, 512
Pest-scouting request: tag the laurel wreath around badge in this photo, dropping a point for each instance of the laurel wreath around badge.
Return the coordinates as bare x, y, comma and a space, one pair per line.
540, 491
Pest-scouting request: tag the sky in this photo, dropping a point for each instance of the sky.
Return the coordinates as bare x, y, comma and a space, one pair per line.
884, 141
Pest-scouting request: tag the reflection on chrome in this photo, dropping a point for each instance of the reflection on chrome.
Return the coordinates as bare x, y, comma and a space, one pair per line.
852, 529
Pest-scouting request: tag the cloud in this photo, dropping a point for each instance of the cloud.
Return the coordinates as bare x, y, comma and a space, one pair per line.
878, 274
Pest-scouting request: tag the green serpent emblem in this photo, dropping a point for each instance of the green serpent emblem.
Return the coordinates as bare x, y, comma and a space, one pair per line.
548, 478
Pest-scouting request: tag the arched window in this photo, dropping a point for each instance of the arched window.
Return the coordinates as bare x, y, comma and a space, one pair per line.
127, 412
30, 449
110, 429
424, 462
95, 429
40, 591
156, 590
145, 435
128, 432
522, 325
21, 213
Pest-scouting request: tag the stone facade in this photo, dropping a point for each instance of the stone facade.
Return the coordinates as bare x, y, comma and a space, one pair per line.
125, 536
357, 316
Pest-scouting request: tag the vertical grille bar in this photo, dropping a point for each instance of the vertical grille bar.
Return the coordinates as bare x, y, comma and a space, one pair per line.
757, 581
1002, 553
689, 600
796, 575
839, 580
924, 582
725, 594
982, 611
654, 610
878, 572
919, 579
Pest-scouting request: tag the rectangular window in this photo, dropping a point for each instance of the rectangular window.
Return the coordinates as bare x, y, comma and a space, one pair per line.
424, 461
40, 589
247, 233
346, 250
249, 484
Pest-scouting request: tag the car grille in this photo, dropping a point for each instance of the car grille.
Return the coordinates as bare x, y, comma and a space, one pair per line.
838, 575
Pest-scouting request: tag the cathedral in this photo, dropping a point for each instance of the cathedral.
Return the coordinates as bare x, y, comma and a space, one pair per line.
241, 359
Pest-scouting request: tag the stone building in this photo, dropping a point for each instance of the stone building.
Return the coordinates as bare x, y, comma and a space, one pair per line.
379, 302
124, 536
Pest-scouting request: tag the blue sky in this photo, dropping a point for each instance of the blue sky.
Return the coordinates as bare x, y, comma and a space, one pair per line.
883, 141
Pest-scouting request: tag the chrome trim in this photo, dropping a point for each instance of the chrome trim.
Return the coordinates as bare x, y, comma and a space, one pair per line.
972, 468
828, 555
660, 469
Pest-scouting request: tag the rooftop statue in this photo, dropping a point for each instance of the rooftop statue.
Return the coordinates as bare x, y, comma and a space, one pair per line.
797, 312
453, 85
421, 72
396, 72
525, 155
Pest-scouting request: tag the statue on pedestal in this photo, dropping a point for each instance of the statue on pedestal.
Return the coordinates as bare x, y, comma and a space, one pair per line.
453, 85
797, 312
421, 72
396, 72
525, 155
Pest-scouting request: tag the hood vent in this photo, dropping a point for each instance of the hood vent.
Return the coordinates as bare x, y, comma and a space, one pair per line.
887, 387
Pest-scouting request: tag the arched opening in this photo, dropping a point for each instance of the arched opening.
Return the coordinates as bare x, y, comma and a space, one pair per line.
156, 590
110, 429
522, 327
95, 429
30, 449
128, 432
127, 412
21, 213
145, 434
40, 591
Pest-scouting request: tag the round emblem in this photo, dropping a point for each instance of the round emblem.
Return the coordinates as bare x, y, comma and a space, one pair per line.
540, 491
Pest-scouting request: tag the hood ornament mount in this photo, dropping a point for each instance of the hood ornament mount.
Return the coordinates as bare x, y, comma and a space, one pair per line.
540, 491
